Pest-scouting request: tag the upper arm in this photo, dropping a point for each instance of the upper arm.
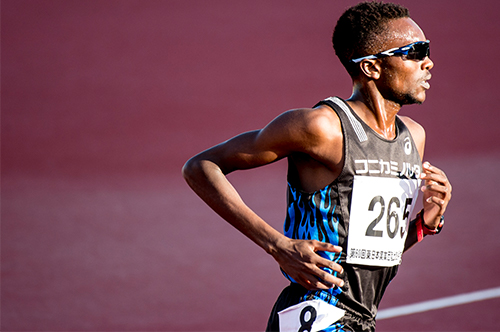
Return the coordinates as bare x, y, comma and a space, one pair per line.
301, 130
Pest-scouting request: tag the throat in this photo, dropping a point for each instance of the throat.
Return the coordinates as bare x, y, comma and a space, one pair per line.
379, 114
388, 131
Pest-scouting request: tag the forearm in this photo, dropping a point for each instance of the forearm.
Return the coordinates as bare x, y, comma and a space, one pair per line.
209, 182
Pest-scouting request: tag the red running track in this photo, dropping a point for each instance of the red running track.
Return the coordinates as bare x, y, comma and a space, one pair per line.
103, 101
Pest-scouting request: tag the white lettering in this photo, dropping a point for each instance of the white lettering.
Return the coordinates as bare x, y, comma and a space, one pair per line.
389, 167
365, 168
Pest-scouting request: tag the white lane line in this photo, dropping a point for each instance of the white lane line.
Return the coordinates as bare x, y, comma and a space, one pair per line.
439, 303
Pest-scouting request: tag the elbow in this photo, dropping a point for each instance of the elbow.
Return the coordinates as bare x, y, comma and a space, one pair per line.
196, 169
189, 169
199, 169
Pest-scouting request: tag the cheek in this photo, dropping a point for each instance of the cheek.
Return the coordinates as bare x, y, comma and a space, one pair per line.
393, 80
401, 76
400, 86
402, 82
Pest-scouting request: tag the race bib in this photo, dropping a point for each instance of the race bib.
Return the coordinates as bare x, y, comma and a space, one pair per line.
380, 210
311, 316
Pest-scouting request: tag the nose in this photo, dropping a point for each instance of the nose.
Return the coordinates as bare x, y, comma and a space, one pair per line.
427, 64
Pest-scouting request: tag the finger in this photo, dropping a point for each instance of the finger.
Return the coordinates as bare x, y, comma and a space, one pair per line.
431, 168
315, 284
313, 276
436, 188
438, 201
434, 176
330, 265
323, 246
324, 280
434, 179
312, 282
330, 281
434, 173
437, 183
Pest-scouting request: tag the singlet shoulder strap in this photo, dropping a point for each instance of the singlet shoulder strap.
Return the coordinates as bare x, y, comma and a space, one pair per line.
339, 105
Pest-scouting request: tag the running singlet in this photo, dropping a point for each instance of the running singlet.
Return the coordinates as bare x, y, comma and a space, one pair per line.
365, 211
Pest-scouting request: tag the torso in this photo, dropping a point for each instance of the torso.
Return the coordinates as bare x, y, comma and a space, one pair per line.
320, 198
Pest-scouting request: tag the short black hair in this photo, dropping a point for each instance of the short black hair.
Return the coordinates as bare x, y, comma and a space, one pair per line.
355, 34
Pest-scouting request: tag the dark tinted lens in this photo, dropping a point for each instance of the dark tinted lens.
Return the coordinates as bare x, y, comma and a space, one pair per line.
418, 51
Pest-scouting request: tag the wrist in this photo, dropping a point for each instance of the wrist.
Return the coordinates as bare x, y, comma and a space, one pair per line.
274, 244
423, 229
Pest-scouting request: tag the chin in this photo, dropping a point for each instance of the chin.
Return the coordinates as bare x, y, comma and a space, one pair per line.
420, 100
406, 98
410, 99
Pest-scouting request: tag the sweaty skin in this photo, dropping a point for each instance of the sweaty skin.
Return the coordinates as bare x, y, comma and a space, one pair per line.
312, 141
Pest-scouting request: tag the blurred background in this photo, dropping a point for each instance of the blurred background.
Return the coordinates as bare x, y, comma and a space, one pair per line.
103, 102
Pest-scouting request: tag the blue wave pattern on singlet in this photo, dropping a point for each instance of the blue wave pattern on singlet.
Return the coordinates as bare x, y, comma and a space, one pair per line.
313, 217
336, 327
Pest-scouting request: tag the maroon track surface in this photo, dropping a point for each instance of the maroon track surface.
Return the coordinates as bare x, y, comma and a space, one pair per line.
102, 103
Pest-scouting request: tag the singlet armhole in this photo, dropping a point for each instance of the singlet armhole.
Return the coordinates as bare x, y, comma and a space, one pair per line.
344, 153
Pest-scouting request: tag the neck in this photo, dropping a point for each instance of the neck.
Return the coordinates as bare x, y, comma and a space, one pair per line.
376, 111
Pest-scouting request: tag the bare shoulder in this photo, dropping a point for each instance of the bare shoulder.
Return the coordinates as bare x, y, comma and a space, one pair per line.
415, 128
417, 132
316, 149
315, 124
313, 131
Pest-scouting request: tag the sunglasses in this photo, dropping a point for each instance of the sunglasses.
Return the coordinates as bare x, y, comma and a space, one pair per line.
414, 51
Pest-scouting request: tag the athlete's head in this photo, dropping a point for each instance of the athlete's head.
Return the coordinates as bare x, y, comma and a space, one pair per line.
362, 29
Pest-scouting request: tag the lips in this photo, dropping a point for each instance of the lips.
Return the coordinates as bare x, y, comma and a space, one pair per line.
425, 82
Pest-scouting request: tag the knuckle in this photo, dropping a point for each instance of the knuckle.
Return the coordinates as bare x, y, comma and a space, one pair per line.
325, 276
316, 284
313, 243
336, 267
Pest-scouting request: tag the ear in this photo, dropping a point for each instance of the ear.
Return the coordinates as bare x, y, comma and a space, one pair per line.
371, 68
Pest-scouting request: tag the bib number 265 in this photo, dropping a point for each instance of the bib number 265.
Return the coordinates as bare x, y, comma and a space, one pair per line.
390, 214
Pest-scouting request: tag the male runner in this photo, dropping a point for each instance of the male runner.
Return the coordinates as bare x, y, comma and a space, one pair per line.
354, 171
